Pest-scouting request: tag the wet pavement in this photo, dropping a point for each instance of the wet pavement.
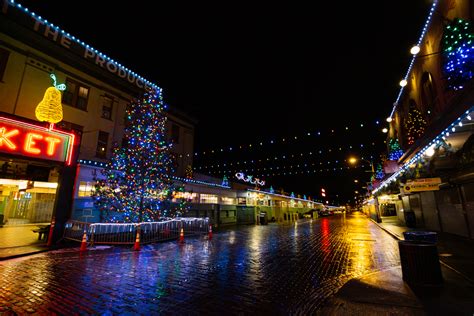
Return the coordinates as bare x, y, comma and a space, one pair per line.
278, 269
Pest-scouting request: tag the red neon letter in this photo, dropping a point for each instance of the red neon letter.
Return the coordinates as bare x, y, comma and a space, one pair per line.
4, 137
30, 141
52, 144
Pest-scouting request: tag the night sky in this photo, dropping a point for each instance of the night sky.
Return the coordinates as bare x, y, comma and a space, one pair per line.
256, 73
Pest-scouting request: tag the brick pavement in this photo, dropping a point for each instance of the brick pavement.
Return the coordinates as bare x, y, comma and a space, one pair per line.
278, 269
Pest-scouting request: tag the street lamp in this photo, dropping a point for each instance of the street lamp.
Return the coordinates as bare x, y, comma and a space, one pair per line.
353, 160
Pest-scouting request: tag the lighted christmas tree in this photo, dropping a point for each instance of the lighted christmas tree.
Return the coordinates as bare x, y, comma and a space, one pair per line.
458, 50
415, 125
272, 190
188, 172
379, 174
137, 185
225, 181
394, 149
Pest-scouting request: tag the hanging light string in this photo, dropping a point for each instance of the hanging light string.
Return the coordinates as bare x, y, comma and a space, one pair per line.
420, 40
307, 153
253, 167
293, 168
320, 134
287, 173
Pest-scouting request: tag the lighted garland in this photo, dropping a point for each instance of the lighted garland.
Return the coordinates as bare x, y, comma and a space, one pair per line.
458, 49
137, 185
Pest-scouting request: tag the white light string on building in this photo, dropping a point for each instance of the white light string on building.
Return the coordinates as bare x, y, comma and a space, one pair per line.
100, 164
443, 135
118, 67
403, 83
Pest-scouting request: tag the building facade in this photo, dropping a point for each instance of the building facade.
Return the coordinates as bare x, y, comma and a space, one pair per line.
432, 185
98, 90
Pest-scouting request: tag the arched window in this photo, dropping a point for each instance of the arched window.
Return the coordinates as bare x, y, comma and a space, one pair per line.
428, 95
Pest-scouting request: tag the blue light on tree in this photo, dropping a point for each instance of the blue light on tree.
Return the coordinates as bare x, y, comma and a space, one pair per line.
458, 50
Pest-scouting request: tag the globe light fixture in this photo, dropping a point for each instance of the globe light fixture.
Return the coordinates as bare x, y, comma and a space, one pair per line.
415, 50
403, 83
384, 130
389, 119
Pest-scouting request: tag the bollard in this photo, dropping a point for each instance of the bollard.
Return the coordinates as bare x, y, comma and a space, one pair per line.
84, 242
210, 231
136, 246
181, 236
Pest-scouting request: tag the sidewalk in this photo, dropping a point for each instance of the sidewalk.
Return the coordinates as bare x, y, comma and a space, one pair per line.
385, 292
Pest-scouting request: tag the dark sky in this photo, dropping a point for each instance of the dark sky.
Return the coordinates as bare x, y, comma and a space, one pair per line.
252, 73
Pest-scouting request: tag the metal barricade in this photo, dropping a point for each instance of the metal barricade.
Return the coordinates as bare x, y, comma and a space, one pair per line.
74, 230
113, 233
125, 233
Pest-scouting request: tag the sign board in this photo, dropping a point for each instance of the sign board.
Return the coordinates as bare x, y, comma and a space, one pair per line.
419, 185
35, 141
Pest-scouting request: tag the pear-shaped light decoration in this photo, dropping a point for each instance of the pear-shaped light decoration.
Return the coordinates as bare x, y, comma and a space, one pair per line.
50, 108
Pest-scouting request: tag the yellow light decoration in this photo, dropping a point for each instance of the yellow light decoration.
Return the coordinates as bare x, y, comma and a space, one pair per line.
50, 108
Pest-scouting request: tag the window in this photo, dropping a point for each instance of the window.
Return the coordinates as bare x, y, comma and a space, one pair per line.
208, 199
102, 141
76, 94
4, 54
227, 200
86, 188
175, 133
77, 129
107, 105
428, 93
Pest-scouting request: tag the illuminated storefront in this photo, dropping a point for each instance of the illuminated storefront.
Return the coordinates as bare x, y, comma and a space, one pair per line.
34, 160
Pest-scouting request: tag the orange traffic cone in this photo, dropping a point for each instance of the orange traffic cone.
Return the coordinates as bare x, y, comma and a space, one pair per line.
181, 236
210, 231
84, 242
136, 246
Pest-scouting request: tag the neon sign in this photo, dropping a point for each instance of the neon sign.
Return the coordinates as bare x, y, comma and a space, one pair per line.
25, 139
249, 179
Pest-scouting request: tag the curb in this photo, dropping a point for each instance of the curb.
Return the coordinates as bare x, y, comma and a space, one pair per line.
24, 254
395, 236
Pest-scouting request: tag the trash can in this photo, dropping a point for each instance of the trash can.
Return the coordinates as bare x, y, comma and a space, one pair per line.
420, 262
410, 219
263, 220
430, 237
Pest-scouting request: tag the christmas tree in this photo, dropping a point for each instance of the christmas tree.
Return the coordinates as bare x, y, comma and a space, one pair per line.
136, 185
415, 125
188, 172
458, 50
225, 181
394, 149
379, 174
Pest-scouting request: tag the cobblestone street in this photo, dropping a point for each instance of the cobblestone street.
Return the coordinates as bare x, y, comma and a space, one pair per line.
278, 269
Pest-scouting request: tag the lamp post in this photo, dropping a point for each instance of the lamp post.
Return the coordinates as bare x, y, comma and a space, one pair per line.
353, 160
